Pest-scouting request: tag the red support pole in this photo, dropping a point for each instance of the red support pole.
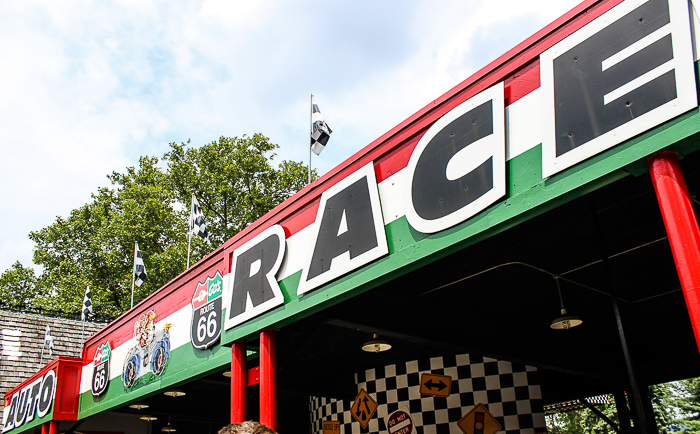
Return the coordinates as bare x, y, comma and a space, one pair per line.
268, 379
45, 428
239, 382
53, 427
681, 227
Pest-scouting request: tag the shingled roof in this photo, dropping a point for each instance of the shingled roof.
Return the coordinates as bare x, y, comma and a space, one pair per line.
21, 339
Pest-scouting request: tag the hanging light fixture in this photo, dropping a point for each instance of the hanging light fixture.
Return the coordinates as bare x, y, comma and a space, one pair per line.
376, 345
227, 374
168, 428
148, 418
138, 405
565, 321
174, 393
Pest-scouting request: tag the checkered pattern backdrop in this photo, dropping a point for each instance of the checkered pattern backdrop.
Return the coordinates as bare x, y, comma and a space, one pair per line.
510, 392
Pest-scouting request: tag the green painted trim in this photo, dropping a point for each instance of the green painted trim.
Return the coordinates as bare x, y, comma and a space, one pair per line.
184, 364
528, 196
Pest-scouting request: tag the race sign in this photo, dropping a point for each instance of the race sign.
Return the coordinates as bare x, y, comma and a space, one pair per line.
100, 373
206, 312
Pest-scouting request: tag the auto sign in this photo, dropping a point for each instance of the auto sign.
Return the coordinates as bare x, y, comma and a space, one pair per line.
206, 312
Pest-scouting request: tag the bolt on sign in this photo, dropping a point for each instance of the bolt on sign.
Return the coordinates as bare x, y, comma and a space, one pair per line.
399, 422
331, 427
205, 329
100, 373
479, 421
435, 385
363, 408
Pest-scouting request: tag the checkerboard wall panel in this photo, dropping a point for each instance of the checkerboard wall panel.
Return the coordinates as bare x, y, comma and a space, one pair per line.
510, 392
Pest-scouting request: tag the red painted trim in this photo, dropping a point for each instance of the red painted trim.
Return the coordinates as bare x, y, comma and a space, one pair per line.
254, 376
67, 398
682, 228
268, 379
523, 82
239, 404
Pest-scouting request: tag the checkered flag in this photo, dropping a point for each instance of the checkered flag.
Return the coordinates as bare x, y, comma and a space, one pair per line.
320, 132
197, 224
48, 340
139, 267
87, 306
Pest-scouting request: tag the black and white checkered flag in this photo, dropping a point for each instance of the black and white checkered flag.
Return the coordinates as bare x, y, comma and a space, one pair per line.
320, 132
139, 268
197, 224
87, 306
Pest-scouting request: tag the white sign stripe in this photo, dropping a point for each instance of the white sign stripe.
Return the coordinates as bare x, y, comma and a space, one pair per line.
636, 47
638, 82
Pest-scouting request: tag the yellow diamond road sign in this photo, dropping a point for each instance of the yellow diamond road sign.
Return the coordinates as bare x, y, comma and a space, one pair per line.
479, 421
363, 408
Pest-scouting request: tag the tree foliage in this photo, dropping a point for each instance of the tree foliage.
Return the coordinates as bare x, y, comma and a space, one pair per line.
676, 407
232, 178
690, 405
18, 287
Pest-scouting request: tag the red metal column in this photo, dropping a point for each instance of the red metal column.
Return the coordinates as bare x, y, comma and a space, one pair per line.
239, 382
268, 379
45, 428
53, 427
681, 227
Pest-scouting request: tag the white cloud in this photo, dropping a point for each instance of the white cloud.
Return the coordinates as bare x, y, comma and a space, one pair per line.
88, 87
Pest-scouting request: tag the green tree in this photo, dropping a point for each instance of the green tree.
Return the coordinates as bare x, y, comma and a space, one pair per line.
94, 245
18, 288
583, 421
234, 181
689, 405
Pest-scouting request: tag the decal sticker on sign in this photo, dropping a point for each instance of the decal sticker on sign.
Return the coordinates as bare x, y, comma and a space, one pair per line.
100, 373
151, 352
459, 165
254, 288
626, 72
349, 230
33, 400
206, 312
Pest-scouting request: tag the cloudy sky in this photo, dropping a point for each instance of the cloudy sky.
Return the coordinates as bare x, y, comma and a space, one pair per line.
86, 87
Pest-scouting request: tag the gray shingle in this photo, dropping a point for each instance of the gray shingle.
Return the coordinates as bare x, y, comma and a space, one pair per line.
19, 362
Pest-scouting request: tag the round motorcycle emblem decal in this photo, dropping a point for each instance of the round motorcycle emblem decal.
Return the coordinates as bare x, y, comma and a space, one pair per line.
151, 352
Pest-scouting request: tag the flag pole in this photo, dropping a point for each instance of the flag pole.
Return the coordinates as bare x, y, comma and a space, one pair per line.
311, 130
133, 274
189, 230
82, 337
